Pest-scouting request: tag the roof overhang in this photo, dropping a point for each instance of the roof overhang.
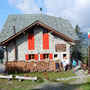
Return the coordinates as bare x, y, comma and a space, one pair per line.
38, 23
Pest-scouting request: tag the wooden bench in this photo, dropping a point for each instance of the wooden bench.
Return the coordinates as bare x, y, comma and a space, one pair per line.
7, 77
26, 78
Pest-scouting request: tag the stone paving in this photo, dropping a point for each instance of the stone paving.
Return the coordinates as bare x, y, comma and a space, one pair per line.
81, 78
80, 74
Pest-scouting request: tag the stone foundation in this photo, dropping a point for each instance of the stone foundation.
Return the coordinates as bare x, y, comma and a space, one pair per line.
32, 66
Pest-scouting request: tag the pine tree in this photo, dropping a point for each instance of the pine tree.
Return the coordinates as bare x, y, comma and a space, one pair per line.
77, 49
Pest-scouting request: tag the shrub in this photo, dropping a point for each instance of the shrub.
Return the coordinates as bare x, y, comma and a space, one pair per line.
40, 79
46, 77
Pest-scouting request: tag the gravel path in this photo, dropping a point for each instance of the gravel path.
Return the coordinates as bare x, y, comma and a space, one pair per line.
81, 78
55, 86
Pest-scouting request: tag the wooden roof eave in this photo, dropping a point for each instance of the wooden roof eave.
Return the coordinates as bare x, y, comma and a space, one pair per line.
42, 25
56, 32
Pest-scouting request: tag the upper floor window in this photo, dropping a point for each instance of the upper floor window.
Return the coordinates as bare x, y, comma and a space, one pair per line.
45, 31
31, 31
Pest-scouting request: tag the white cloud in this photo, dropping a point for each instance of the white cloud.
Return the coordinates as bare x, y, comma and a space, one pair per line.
25, 6
77, 11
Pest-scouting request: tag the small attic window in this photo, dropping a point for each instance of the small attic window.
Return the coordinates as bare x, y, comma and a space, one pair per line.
45, 31
31, 31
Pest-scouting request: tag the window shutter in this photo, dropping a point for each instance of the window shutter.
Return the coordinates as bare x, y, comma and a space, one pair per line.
31, 41
36, 56
46, 41
50, 56
27, 57
41, 56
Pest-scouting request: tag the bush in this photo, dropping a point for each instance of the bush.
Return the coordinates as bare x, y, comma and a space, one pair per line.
40, 79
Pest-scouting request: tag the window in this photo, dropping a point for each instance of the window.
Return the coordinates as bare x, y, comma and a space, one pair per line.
31, 41
31, 31
64, 56
45, 56
31, 56
45, 31
55, 56
45, 39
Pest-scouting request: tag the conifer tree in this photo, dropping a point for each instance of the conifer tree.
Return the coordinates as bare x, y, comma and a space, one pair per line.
77, 49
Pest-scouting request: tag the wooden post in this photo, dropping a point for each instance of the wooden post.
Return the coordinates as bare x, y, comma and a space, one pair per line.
15, 47
6, 55
88, 56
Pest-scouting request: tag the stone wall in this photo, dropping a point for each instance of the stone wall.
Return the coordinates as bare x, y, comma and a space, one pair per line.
22, 46
24, 66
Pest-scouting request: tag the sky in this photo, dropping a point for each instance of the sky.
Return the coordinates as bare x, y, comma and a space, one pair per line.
76, 11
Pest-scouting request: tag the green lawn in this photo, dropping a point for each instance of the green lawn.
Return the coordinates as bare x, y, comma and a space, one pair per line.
50, 75
67, 86
16, 85
27, 85
85, 86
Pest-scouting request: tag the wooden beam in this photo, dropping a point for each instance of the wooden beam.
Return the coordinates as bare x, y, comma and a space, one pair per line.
15, 46
55, 32
88, 56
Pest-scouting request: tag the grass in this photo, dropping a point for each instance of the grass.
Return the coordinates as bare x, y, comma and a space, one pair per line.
51, 75
70, 80
66, 74
85, 86
27, 85
67, 86
16, 85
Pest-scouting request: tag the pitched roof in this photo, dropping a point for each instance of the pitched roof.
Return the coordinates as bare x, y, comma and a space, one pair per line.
22, 21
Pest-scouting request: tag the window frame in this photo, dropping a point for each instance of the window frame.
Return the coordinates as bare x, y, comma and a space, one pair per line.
66, 56
57, 56
45, 31
32, 56
47, 56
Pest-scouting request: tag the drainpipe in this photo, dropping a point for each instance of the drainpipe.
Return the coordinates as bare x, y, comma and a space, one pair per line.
5, 49
15, 47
